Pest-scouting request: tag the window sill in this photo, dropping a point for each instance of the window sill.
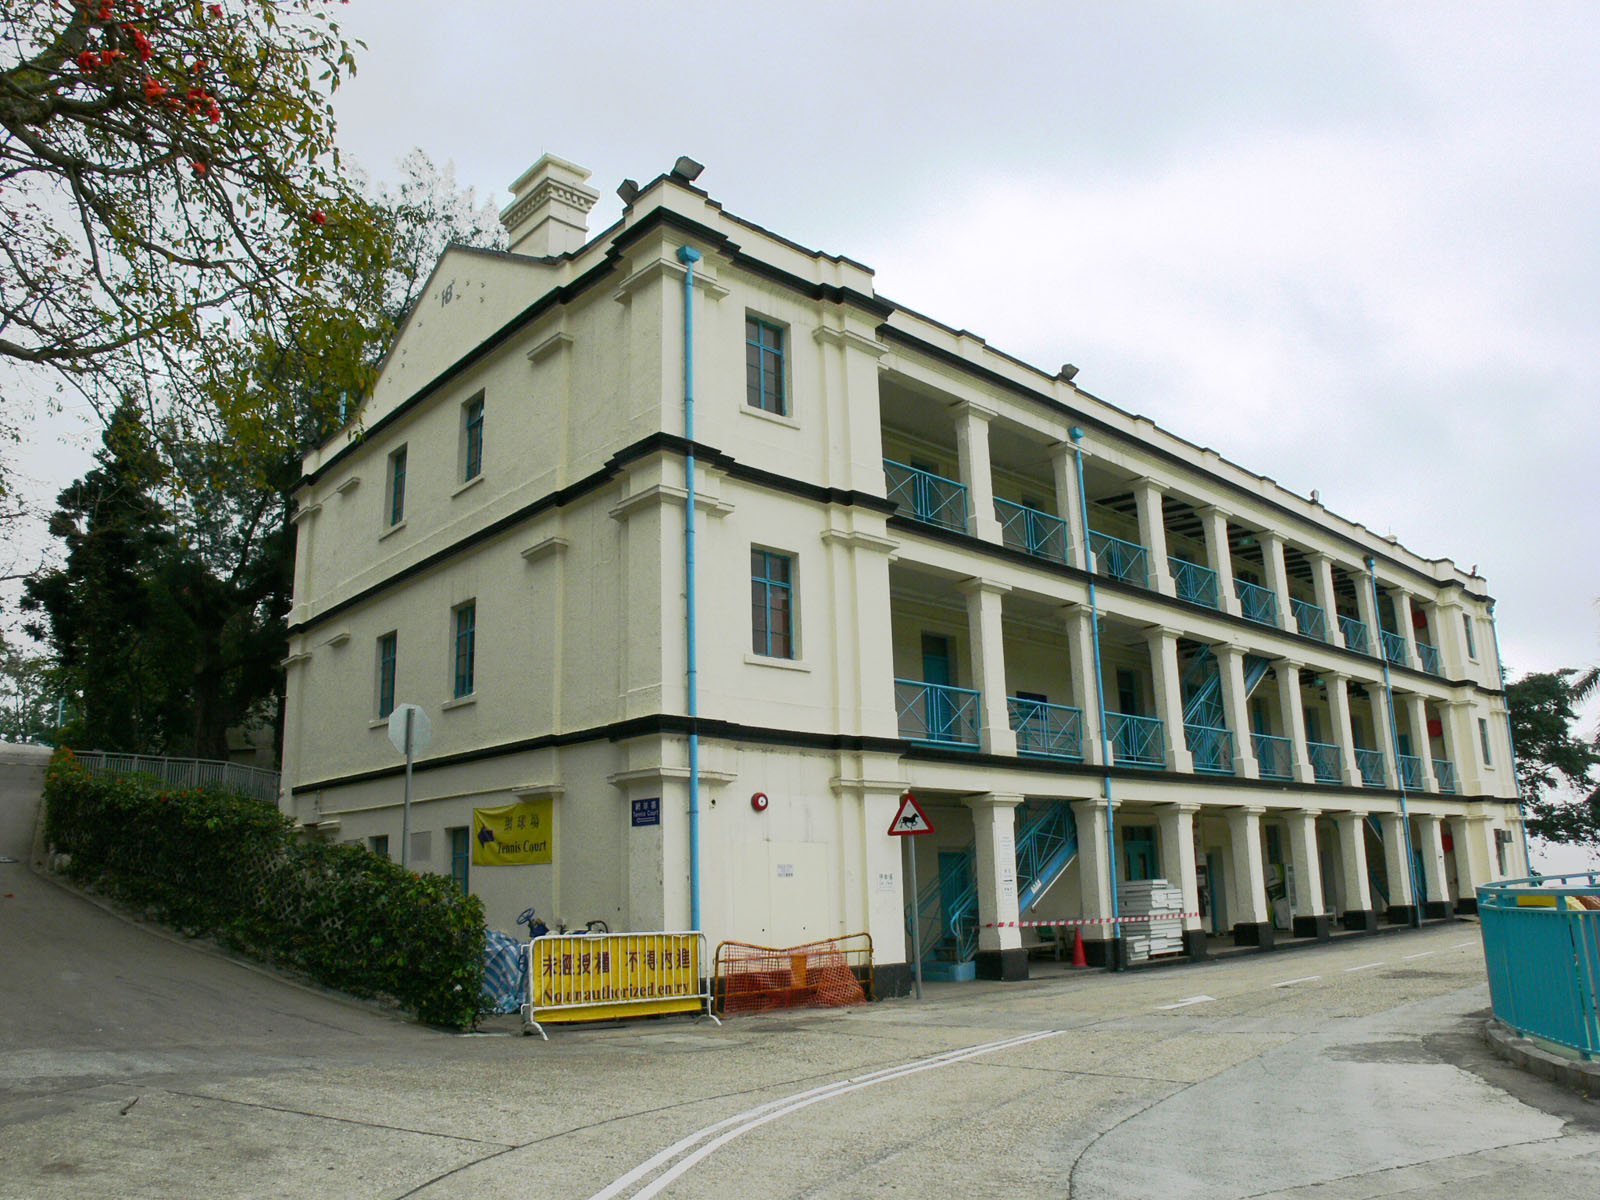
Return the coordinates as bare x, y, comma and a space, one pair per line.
783, 664
751, 410
459, 702
378, 723
468, 485
391, 531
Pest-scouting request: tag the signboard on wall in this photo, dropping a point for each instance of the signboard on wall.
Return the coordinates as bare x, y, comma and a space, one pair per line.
647, 812
513, 834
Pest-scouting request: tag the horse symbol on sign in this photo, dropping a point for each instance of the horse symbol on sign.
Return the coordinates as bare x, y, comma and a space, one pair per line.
910, 820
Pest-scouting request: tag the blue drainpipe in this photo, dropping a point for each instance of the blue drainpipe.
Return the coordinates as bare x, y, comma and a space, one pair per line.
1511, 740
1100, 702
688, 256
1394, 743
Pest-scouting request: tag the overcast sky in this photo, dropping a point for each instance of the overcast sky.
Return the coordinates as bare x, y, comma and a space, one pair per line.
1353, 247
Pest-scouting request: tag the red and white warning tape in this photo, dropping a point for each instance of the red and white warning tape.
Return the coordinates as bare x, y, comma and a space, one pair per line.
1088, 921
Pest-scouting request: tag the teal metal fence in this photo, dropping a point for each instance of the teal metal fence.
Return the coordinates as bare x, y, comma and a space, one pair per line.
1118, 559
1310, 619
926, 496
1324, 762
1541, 946
1274, 755
1032, 531
1410, 768
1211, 747
1394, 648
1355, 635
1046, 730
1370, 764
1136, 741
1428, 656
1445, 772
934, 712
1256, 603
1194, 583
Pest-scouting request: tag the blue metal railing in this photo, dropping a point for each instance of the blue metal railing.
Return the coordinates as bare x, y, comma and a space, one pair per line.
935, 712
1324, 762
1193, 582
1136, 741
1202, 689
1370, 764
1445, 772
1212, 749
1310, 619
1542, 950
1274, 755
1355, 634
1118, 559
1428, 656
928, 497
1046, 847
1047, 730
1394, 648
1032, 531
1409, 768
1256, 603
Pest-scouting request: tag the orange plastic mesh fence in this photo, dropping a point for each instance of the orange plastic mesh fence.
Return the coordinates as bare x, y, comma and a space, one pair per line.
822, 974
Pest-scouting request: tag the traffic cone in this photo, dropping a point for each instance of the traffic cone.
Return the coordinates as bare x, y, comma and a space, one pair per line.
1079, 959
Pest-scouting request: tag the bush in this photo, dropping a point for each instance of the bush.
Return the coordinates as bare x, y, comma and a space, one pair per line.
210, 862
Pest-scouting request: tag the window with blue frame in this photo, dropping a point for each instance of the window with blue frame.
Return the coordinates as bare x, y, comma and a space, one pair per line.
460, 854
472, 438
388, 653
1472, 645
763, 367
397, 486
772, 604
1483, 737
379, 845
466, 625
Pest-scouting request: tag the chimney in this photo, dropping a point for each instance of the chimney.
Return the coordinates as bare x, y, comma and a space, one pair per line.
550, 210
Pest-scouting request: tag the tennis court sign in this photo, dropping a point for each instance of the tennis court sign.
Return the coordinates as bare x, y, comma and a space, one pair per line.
603, 976
513, 834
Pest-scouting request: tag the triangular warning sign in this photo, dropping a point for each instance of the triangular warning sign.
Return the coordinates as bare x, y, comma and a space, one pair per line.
910, 820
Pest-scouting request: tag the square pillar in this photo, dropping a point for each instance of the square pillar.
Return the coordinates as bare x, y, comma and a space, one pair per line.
1230, 668
1430, 841
1461, 743
1467, 837
1253, 926
1176, 825
972, 449
1219, 557
1327, 601
1085, 695
1064, 466
1339, 702
994, 825
1384, 732
1153, 532
1169, 695
1451, 637
1100, 946
985, 632
1277, 576
1292, 710
1367, 607
1408, 630
1417, 717
1402, 901
1353, 871
1310, 915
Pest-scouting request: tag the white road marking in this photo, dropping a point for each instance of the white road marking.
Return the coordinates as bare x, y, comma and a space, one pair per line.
1458, 945
1364, 967
1302, 979
744, 1122
1186, 1002
1420, 954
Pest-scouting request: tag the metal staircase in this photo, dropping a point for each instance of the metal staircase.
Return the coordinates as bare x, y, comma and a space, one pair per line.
1202, 686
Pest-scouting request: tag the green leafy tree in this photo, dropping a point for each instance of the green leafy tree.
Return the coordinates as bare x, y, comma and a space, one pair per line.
1556, 764
29, 695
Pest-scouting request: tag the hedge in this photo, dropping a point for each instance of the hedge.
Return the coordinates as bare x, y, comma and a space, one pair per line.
212, 863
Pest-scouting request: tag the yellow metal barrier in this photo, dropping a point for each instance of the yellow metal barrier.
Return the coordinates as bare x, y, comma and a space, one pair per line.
601, 976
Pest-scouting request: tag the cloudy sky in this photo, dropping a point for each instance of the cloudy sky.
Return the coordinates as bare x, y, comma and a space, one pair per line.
1355, 247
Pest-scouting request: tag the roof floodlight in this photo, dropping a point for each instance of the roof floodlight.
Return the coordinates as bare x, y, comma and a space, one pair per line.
687, 169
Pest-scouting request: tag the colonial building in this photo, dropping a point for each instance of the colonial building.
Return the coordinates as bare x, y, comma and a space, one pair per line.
1095, 652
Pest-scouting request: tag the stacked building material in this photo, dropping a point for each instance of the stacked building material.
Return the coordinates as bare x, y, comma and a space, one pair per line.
1162, 903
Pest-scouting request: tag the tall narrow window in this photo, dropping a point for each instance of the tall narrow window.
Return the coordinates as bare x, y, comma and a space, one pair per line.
460, 854
1483, 737
1127, 692
472, 437
397, 486
379, 845
763, 367
772, 604
388, 651
1472, 645
466, 624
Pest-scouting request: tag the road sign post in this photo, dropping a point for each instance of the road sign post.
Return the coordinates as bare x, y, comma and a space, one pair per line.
409, 731
911, 822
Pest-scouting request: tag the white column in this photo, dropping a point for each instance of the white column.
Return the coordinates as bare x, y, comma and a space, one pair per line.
1218, 555
1153, 532
1094, 882
1461, 740
1291, 708
1322, 581
1085, 695
972, 448
1430, 840
1344, 734
1249, 875
1230, 670
1306, 861
1176, 823
1277, 577
1383, 731
985, 628
1394, 860
994, 824
1417, 714
1467, 838
1367, 607
1452, 641
1064, 464
1353, 860
1402, 618
1169, 696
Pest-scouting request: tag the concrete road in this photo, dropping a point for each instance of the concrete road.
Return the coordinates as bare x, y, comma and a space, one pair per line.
133, 1065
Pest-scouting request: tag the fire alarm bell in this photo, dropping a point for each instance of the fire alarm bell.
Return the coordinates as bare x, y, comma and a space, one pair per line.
759, 802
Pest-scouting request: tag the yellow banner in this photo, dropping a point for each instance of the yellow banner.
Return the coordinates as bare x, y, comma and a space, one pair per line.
594, 977
512, 834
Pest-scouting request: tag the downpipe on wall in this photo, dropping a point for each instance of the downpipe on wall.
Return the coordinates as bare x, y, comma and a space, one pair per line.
1511, 740
688, 256
1394, 747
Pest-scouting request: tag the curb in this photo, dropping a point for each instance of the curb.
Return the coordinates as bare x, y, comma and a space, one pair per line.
1573, 1074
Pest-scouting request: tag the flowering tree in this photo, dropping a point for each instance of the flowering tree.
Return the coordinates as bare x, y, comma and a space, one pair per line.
168, 179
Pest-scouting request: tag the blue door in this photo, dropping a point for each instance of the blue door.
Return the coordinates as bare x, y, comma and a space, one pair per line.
1139, 850
1217, 893
940, 715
